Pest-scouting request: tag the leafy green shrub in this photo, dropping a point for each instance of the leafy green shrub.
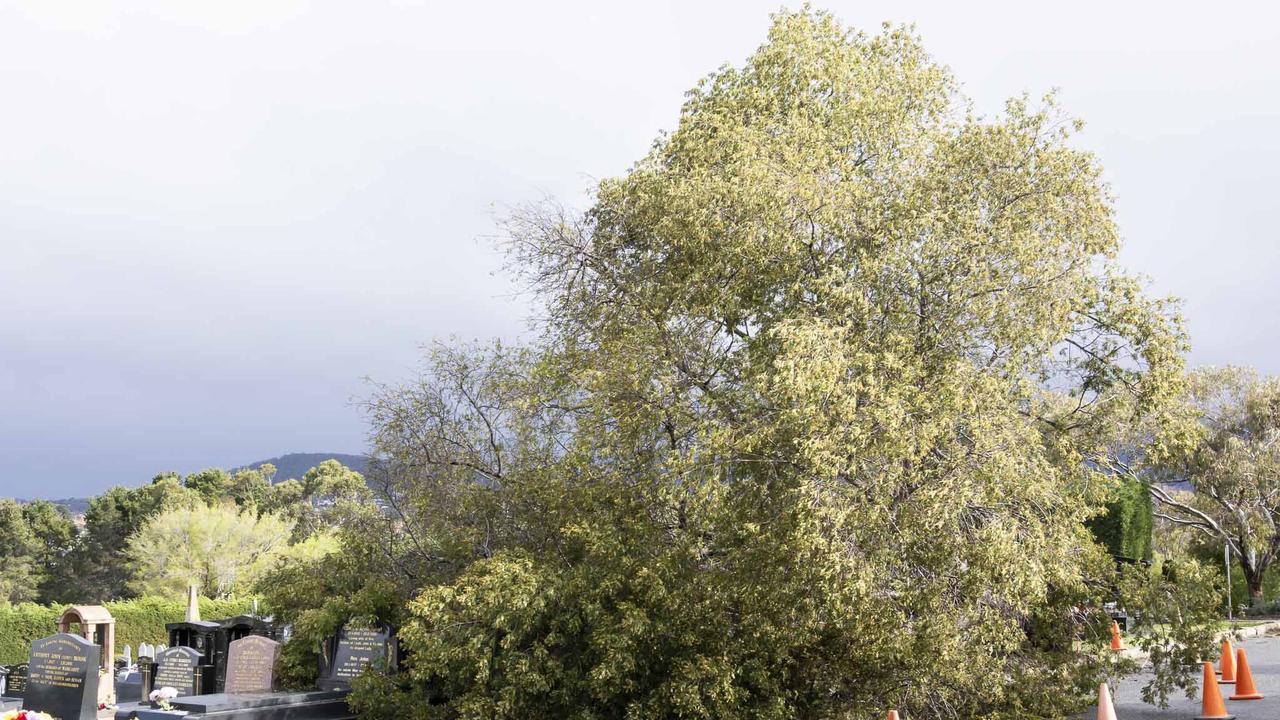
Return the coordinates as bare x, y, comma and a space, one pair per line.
1209, 552
137, 621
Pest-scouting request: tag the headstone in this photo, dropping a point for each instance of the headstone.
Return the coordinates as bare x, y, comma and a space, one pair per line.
128, 656
146, 651
176, 668
354, 650
129, 686
251, 663
63, 680
227, 632
16, 684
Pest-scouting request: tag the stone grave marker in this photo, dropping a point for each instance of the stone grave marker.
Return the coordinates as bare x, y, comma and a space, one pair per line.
63, 677
251, 664
16, 684
354, 650
175, 668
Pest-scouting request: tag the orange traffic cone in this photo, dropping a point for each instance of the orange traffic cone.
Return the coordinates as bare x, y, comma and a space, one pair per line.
893, 715
1228, 664
1116, 643
1245, 689
1211, 705
1106, 711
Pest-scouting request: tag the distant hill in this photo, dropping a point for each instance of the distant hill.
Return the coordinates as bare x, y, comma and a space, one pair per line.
295, 465
75, 506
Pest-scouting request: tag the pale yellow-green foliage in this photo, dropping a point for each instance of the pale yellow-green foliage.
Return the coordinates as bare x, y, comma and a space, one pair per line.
1228, 447
221, 549
822, 398
315, 547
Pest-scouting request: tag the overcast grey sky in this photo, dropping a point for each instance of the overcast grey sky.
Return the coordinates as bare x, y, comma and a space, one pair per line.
216, 218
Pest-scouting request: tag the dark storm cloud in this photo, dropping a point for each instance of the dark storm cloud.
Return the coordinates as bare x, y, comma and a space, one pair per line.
215, 221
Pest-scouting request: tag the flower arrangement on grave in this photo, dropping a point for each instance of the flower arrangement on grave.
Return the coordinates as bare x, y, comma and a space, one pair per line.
161, 697
25, 715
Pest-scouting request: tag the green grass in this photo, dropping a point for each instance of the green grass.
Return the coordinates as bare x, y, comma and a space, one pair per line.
1223, 624
1227, 624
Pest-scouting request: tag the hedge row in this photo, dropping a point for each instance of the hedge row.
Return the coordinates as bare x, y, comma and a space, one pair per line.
1125, 528
137, 621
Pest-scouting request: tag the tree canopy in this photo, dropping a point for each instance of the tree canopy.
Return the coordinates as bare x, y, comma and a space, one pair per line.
46, 557
1231, 457
19, 550
824, 393
220, 549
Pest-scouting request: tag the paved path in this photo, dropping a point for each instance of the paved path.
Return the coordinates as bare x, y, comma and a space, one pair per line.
1264, 660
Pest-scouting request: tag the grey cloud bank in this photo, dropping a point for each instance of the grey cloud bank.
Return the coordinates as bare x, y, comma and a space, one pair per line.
216, 220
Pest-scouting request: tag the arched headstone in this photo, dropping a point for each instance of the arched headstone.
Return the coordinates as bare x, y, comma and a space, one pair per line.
251, 665
65, 677
177, 667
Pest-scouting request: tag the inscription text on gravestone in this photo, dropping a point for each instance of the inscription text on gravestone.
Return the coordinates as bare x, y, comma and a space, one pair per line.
63, 677
175, 668
251, 665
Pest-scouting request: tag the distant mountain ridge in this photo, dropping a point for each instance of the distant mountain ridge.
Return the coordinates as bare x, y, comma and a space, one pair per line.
75, 506
288, 467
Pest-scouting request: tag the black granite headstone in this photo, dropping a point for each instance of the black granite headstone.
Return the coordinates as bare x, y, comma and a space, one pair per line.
251, 663
353, 650
63, 679
229, 631
176, 668
199, 635
16, 684
128, 686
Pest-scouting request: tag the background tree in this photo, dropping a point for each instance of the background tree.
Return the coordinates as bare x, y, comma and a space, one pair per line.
104, 572
310, 503
58, 539
20, 550
51, 560
222, 549
355, 578
249, 487
210, 484
1232, 462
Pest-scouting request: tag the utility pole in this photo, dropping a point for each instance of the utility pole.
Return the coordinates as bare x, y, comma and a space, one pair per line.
1226, 561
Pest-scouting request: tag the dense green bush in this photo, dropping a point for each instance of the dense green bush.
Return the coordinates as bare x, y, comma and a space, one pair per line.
1125, 528
137, 621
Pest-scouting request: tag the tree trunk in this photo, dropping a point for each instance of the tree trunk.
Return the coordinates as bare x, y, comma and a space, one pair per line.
1253, 578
